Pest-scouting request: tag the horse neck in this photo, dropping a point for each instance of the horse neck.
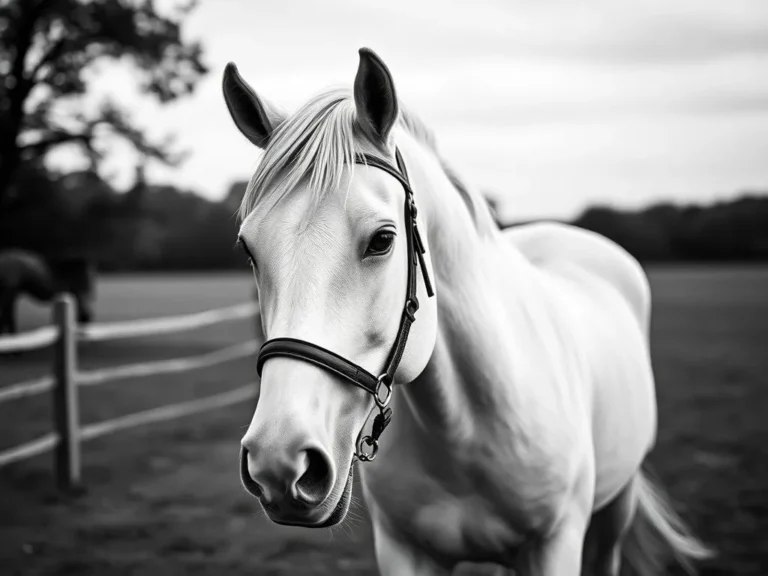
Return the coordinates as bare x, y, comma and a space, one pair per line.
458, 388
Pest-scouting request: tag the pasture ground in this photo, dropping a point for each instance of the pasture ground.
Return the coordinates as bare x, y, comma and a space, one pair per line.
166, 499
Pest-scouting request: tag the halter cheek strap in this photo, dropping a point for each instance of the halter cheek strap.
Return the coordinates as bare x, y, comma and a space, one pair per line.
380, 387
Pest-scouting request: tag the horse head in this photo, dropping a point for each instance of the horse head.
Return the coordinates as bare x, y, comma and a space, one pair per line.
331, 247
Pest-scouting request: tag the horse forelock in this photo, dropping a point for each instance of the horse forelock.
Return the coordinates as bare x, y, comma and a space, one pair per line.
317, 144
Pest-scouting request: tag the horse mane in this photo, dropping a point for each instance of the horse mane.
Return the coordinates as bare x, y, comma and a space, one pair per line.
319, 142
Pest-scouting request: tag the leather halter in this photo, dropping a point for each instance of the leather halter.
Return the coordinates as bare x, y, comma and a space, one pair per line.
346, 369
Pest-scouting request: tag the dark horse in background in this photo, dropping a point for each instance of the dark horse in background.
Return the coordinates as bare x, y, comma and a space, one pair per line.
24, 272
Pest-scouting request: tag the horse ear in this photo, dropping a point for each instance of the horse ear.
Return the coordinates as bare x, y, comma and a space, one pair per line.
253, 116
375, 98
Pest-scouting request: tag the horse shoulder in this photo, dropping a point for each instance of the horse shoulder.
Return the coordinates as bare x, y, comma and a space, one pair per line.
623, 404
553, 245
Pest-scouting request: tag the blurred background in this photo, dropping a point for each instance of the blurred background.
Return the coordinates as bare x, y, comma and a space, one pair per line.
646, 122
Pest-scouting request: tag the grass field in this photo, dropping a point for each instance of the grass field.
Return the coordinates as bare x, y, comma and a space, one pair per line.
165, 499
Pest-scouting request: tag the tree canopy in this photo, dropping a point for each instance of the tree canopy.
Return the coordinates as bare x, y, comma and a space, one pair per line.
46, 47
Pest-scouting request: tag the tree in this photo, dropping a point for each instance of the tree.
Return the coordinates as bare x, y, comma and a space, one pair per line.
46, 46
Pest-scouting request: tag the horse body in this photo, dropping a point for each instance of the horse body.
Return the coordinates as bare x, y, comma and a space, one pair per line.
526, 404
537, 400
606, 301
23, 272
26, 272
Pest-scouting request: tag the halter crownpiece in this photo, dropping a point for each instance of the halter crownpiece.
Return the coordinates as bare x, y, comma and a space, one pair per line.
380, 387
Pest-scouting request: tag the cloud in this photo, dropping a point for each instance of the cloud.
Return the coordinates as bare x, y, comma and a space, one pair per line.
555, 103
606, 31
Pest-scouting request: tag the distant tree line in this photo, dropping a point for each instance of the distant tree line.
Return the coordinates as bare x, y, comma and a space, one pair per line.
46, 49
735, 230
149, 227
728, 231
153, 227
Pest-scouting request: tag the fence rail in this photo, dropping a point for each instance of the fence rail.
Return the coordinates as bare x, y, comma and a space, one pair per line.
170, 412
28, 388
47, 335
48, 442
69, 434
40, 338
156, 326
104, 375
29, 449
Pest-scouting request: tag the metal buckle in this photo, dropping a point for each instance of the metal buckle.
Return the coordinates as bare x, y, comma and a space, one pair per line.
364, 456
411, 307
377, 395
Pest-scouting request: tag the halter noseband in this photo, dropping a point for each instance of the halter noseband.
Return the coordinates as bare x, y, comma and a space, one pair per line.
340, 366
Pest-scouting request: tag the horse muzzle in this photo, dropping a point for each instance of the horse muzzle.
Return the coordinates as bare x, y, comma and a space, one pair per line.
301, 504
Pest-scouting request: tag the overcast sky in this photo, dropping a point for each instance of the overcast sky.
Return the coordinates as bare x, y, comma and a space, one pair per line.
552, 105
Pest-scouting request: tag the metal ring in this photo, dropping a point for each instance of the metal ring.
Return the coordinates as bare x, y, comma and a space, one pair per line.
377, 397
361, 453
412, 304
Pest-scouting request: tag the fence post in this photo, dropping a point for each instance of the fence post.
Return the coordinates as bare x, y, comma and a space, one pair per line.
65, 401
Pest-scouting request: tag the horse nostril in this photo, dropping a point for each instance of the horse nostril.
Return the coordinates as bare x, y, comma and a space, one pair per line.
315, 483
245, 475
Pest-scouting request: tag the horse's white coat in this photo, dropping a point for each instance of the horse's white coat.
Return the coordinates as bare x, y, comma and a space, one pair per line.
537, 405
529, 402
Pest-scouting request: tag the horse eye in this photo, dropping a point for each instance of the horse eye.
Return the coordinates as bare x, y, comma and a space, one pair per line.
380, 243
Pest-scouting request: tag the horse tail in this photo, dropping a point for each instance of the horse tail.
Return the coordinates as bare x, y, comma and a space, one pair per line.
658, 533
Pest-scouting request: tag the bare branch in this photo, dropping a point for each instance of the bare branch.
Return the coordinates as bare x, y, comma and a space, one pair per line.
44, 144
46, 46
51, 55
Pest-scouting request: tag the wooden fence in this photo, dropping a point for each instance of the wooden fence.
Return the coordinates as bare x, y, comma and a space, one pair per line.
66, 379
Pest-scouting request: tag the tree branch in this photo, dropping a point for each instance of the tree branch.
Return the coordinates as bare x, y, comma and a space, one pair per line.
119, 125
46, 46
54, 139
53, 52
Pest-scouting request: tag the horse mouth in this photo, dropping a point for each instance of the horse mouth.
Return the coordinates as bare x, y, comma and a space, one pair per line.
342, 506
299, 517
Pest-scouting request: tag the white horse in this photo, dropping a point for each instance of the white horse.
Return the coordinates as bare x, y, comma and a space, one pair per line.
525, 404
